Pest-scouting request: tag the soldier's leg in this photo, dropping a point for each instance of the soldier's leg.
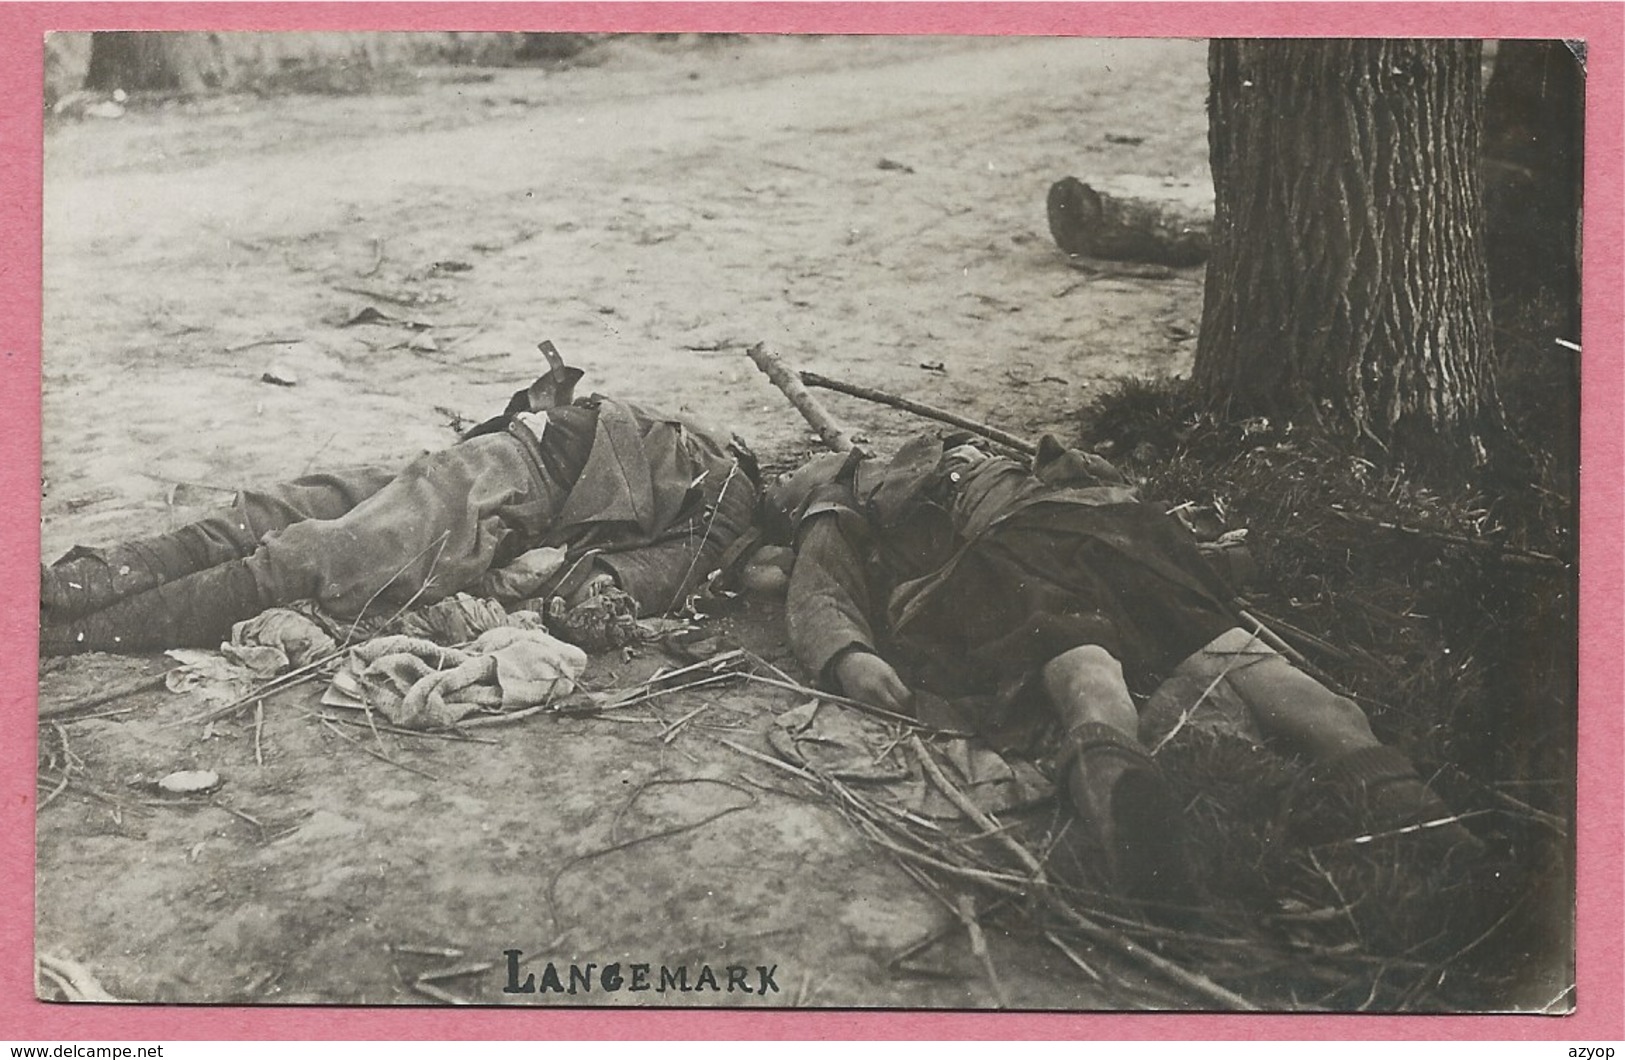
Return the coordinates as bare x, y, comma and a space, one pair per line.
431, 532
1086, 686
428, 533
1121, 798
1290, 706
195, 611
89, 579
1369, 786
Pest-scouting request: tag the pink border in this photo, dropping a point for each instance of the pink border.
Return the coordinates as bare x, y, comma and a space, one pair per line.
1600, 995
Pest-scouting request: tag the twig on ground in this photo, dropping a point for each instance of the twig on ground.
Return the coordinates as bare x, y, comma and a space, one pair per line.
932, 888
372, 727
407, 301
79, 785
455, 972
1270, 637
764, 664
279, 683
670, 732
70, 761
1420, 826
259, 725
74, 979
281, 340
768, 760
451, 953
430, 990
919, 408
1098, 270
931, 938
855, 704
98, 714
1506, 553
1071, 955
1194, 981
1287, 629
62, 785
426, 734
1550, 820
145, 684
830, 431
347, 738
1003, 882
656, 693
1376, 985
1342, 900
481, 721
965, 908
250, 818
552, 885
639, 692
1528, 812
966, 840
320, 449
916, 819
773, 789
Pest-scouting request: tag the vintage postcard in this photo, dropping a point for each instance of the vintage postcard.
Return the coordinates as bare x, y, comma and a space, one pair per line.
661, 513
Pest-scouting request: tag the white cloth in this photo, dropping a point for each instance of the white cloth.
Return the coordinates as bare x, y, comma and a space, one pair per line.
416, 684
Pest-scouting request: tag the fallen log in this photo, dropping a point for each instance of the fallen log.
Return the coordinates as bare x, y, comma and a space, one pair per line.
1095, 224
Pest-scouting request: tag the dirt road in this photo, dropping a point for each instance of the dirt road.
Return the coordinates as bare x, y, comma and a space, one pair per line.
870, 207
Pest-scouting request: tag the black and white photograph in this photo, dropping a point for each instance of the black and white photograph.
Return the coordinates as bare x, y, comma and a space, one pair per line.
810, 521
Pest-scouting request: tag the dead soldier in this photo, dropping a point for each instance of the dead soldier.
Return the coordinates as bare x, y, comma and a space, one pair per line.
640, 504
1042, 598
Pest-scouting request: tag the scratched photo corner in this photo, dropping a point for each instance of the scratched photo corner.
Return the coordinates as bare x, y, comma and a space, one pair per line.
918, 522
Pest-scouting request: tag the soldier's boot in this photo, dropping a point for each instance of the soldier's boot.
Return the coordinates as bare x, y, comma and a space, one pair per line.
86, 580
1129, 816
1377, 792
193, 612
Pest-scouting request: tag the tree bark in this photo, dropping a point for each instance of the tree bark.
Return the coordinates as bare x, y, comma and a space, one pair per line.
1347, 284
152, 61
1534, 135
1096, 224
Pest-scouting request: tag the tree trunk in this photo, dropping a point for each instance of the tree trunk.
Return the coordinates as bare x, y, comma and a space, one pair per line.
1534, 134
152, 61
1347, 283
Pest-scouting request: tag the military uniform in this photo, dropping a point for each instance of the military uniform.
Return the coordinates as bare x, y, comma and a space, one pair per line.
649, 498
974, 575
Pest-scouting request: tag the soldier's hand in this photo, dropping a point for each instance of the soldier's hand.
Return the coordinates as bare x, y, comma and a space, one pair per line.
866, 676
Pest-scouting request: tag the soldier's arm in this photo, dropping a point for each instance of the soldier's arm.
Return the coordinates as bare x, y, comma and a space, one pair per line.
828, 606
